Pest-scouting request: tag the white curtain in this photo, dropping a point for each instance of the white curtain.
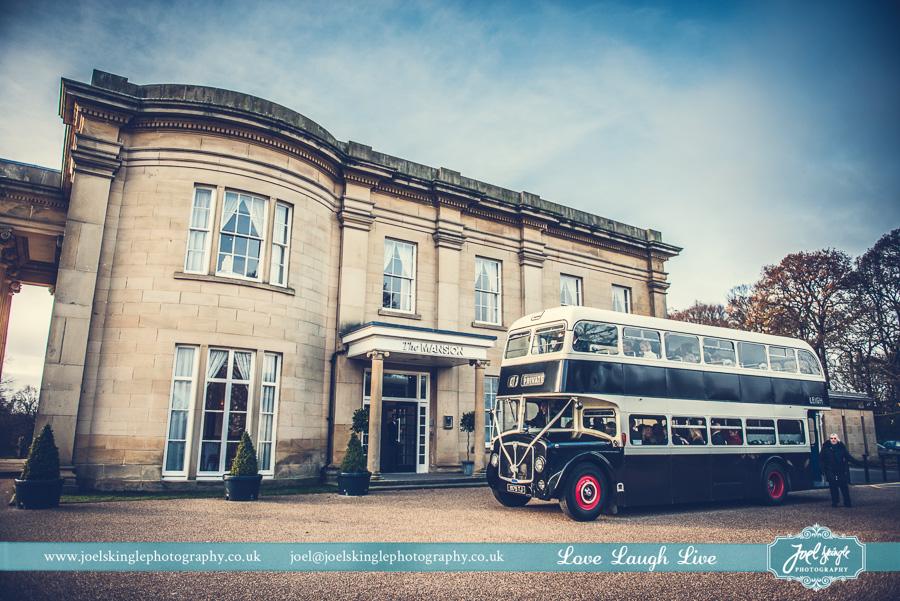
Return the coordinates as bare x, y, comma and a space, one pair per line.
567, 297
216, 361
184, 362
619, 300
257, 215
230, 207
242, 365
200, 214
398, 259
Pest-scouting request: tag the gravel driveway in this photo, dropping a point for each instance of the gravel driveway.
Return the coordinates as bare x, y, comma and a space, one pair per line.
463, 515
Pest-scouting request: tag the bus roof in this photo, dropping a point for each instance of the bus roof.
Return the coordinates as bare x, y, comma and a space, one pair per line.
573, 314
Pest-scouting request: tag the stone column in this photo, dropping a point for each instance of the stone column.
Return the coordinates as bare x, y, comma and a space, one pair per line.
373, 462
479, 415
92, 160
7, 289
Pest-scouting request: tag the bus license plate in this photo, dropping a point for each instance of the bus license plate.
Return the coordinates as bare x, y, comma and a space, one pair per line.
516, 488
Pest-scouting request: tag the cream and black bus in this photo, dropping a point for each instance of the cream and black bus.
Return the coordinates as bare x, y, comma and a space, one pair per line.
603, 410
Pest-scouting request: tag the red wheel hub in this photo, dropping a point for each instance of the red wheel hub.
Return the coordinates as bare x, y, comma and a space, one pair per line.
587, 492
776, 485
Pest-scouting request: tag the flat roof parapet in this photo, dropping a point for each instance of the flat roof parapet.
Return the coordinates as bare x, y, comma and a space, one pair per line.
354, 151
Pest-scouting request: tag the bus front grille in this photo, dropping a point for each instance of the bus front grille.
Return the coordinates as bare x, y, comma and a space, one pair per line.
522, 467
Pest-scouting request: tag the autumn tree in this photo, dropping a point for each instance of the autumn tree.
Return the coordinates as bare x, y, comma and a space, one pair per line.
704, 313
804, 296
870, 349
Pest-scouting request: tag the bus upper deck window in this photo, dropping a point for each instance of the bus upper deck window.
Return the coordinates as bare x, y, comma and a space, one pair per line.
782, 359
517, 346
717, 351
549, 340
638, 342
595, 337
808, 363
752, 355
680, 347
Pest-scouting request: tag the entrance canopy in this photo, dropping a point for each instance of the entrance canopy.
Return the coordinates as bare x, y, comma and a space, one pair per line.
417, 346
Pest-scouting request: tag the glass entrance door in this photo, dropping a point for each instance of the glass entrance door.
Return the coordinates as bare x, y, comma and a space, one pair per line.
398, 437
404, 420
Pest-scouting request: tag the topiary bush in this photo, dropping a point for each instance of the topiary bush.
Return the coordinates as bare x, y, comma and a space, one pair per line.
467, 425
43, 457
244, 463
360, 421
354, 461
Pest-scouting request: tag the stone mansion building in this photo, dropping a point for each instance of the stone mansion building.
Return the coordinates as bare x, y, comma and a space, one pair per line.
221, 263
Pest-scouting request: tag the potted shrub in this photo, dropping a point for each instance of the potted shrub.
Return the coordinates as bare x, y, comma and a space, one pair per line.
354, 477
242, 483
40, 486
467, 425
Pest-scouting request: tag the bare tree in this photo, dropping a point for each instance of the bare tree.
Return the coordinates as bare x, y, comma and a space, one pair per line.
26, 401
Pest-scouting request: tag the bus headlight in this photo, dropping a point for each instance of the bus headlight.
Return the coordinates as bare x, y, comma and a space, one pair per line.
539, 464
495, 459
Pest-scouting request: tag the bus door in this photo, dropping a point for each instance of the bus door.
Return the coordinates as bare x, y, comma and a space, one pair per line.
814, 424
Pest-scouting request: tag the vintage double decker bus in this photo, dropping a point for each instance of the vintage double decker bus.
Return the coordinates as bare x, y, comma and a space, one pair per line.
602, 410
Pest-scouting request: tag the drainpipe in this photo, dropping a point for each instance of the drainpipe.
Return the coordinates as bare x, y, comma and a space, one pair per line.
329, 452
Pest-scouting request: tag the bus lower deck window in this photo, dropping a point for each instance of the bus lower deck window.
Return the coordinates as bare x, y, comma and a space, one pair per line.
648, 430
689, 431
726, 431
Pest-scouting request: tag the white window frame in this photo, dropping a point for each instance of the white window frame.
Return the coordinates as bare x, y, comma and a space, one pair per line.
628, 299
412, 278
579, 298
189, 426
210, 216
226, 412
276, 386
262, 240
285, 246
498, 293
490, 427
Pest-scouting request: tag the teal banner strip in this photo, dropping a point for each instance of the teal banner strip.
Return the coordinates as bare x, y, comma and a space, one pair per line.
402, 557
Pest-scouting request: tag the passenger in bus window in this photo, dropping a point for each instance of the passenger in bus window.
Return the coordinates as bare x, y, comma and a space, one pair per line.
646, 351
646, 435
734, 437
658, 434
628, 348
718, 437
540, 420
610, 428
697, 436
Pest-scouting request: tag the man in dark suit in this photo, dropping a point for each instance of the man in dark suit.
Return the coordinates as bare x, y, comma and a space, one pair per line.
836, 464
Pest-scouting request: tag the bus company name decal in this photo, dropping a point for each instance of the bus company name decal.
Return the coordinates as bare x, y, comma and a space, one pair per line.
816, 557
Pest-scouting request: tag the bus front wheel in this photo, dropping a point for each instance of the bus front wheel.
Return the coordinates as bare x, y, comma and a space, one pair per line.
585, 494
510, 500
774, 484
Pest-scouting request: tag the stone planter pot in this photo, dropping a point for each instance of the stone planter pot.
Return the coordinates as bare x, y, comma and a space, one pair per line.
38, 494
354, 484
468, 467
242, 488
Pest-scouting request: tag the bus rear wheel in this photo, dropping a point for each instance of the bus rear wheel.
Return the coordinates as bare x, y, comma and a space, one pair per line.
585, 494
774, 484
509, 499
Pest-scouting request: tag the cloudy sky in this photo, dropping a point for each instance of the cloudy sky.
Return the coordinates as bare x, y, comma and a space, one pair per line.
743, 131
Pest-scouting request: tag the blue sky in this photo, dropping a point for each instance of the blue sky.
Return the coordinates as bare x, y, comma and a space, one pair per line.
743, 131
